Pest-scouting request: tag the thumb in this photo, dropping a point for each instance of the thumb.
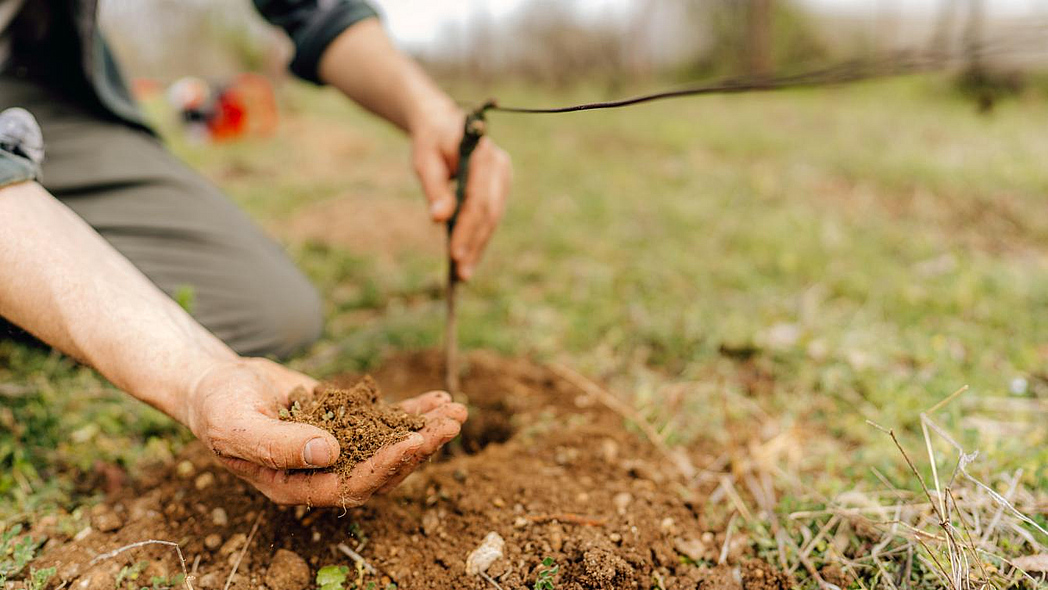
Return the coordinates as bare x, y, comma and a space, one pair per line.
278, 444
433, 173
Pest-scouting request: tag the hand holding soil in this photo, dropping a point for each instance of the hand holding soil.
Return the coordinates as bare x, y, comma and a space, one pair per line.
235, 410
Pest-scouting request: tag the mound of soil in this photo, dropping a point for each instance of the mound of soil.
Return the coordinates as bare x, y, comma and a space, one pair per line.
542, 464
357, 417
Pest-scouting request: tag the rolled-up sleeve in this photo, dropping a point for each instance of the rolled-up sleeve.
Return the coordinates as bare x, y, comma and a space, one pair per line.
21, 146
312, 26
14, 169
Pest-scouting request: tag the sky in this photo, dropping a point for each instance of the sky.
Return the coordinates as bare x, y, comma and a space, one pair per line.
416, 23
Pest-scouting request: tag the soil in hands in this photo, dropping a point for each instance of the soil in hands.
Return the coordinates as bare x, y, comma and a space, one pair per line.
357, 417
544, 465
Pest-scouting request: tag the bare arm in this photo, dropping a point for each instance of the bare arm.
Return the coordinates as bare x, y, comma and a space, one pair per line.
364, 64
65, 284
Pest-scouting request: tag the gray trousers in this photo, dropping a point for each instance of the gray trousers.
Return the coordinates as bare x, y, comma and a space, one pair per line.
172, 224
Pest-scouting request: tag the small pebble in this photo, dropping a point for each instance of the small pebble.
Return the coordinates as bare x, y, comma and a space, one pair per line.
430, 522
300, 512
185, 469
219, 517
213, 541
556, 539
615, 538
204, 480
667, 525
520, 522
498, 502
622, 501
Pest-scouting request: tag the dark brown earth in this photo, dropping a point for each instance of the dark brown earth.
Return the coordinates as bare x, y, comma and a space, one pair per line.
357, 417
541, 463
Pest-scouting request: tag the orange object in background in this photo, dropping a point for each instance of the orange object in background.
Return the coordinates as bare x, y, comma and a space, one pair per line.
244, 106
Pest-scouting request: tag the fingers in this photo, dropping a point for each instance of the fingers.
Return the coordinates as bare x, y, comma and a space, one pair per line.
272, 443
421, 404
325, 489
486, 190
442, 425
301, 488
435, 174
372, 474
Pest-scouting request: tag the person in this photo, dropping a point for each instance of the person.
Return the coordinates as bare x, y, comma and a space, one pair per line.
95, 241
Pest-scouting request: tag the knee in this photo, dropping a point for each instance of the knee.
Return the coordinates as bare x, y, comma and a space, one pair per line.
282, 321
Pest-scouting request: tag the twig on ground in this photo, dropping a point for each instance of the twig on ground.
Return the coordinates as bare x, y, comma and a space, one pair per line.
247, 543
729, 488
612, 402
727, 539
356, 557
178, 550
946, 400
1012, 485
490, 580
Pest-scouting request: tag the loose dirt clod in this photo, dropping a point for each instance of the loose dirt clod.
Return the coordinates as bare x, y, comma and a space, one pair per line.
357, 417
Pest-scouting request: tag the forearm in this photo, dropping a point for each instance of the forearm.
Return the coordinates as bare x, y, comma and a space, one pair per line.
66, 285
363, 64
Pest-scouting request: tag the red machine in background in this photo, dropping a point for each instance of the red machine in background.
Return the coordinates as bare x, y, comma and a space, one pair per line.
244, 106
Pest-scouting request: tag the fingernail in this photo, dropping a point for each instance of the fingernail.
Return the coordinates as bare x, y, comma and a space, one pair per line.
460, 253
317, 453
434, 209
467, 272
415, 439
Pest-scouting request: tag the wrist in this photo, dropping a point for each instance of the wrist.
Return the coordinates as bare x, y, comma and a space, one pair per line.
431, 114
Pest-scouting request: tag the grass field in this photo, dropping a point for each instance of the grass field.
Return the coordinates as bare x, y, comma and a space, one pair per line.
760, 275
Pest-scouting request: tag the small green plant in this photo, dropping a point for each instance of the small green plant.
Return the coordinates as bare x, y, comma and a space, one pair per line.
545, 579
130, 573
332, 577
15, 553
38, 578
166, 582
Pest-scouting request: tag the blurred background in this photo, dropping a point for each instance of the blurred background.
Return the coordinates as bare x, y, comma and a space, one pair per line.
616, 41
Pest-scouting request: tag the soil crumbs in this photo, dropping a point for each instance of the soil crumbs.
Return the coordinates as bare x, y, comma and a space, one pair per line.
360, 421
548, 468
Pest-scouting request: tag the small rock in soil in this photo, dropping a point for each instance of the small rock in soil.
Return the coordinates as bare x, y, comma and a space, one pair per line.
210, 581
430, 522
691, 548
219, 517
622, 501
204, 480
105, 519
185, 469
288, 571
233, 544
213, 541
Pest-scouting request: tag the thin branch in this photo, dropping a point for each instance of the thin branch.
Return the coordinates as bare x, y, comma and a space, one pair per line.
247, 543
178, 550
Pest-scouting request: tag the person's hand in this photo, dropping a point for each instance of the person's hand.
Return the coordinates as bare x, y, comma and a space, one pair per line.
234, 407
435, 155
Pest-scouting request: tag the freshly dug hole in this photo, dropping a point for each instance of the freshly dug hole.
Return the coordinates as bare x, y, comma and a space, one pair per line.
357, 417
568, 482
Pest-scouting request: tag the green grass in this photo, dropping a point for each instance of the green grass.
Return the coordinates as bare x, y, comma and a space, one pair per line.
743, 266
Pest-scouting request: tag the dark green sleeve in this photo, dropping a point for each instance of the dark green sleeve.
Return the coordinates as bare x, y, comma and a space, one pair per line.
312, 26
